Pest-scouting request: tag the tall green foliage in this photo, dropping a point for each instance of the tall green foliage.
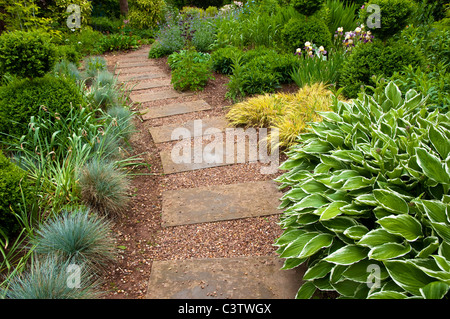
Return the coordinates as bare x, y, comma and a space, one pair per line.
367, 200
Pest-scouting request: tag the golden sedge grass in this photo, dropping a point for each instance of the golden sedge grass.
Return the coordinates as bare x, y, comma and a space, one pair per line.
289, 113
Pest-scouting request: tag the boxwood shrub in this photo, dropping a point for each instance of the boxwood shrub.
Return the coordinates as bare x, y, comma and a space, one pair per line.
21, 99
367, 200
13, 183
297, 31
26, 54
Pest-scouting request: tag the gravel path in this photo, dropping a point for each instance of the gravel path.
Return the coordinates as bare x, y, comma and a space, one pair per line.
139, 233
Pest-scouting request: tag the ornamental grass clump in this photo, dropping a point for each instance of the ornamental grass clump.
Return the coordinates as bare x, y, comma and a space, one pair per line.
289, 113
104, 188
77, 236
367, 199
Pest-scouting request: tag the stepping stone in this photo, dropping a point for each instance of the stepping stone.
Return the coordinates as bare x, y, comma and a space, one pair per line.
220, 202
139, 77
147, 69
158, 95
132, 60
122, 65
151, 84
175, 109
224, 278
161, 134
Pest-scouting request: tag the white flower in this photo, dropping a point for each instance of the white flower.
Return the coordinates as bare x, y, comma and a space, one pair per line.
299, 50
340, 29
307, 44
362, 26
358, 30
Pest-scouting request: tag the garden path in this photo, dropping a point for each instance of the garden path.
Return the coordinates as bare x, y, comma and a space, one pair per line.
240, 277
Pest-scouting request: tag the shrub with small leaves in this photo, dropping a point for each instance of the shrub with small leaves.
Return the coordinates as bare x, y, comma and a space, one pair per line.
26, 54
297, 32
394, 16
307, 7
368, 189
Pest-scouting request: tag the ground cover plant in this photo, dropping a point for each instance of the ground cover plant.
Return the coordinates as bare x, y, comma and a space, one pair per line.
368, 188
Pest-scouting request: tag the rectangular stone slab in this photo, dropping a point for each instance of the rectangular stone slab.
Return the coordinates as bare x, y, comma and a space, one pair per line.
151, 84
218, 203
140, 77
161, 134
175, 109
158, 95
123, 65
139, 70
224, 278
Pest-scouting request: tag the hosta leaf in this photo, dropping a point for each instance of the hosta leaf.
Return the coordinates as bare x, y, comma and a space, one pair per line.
366, 199
393, 93
295, 248
331, 210
403, 225
440, 142
316, 146
339, 224
289, 236
357, 182
290, 263
311, 186
315, 244
361, 271
407, 275
331, 116
435, 290
356, 232
389, 251
378, 237
432, 166
435, 210
348, 155
319, 270
346, 288
431, 244
444, 250
442, 263
306, 290
387, 295
431, 268
391, 202
311, 201
347, 255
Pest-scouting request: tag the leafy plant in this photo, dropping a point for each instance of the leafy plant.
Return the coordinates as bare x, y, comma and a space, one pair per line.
375, 59
24, 98
298, 31
318, 69
119, 42
191, 70
76, 236
394, 16
222, 59
26, 54
13, 184
307, 7
368, 188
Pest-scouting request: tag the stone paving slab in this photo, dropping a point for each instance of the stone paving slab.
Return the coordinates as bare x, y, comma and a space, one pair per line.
224, 278
156, 83
192, 153
161, 134
175, 109
140, 64
139, 70
140, 77
220, 202
158, 95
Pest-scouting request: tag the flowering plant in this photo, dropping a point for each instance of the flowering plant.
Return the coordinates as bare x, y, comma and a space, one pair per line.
351, 38
312, 50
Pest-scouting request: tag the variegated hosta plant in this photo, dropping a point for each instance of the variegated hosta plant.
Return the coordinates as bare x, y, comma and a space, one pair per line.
367, 203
